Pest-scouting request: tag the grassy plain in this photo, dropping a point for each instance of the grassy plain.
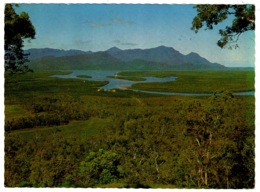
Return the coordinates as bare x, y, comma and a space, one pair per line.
66, 133
32, 85
80, 129
197, 81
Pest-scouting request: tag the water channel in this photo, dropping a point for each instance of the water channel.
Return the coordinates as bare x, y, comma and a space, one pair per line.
97, 75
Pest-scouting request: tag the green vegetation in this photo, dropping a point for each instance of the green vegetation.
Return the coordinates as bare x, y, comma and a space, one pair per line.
80, 129
128, 78
197, 81
15, 112
71, 135
84, 76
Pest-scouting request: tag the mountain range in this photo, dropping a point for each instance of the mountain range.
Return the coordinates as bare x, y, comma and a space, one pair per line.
158, 58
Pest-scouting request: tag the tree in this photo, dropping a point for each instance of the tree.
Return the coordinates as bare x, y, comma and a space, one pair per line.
17, 28
99, 168
221, 151
209, 15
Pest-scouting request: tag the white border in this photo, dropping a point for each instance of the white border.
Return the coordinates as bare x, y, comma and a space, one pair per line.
137, 2
257, 68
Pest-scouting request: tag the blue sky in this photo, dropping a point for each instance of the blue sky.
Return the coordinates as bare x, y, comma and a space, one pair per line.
98, 27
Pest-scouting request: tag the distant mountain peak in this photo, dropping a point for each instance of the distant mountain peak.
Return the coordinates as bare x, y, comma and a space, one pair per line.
193, 53
113, 50
164, 47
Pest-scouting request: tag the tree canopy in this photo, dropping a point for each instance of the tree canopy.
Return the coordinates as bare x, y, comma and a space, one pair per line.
210, 15
17, 29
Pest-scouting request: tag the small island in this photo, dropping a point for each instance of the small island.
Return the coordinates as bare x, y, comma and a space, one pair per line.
127, 78
84, 76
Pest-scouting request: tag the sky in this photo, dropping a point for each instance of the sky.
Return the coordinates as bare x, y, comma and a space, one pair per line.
98, 27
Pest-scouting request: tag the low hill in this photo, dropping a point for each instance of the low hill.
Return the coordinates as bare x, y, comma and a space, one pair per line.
95, 61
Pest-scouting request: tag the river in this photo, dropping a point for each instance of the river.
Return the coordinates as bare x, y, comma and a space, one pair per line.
97, 75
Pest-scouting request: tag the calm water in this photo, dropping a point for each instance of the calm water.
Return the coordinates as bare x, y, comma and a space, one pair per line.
117, 83
113, 83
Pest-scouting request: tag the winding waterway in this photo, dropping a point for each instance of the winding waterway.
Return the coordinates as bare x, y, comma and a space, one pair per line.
114, 83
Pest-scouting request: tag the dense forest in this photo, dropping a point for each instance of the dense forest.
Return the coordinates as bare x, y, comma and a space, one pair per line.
66, 133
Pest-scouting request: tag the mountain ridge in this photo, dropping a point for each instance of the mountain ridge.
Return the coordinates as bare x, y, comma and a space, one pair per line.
159, 58
36, 53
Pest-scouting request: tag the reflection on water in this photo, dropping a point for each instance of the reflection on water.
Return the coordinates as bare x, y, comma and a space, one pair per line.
120, 83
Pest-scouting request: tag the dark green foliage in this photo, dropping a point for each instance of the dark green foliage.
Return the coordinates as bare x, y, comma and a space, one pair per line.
17, 28
210, 15
99, 167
